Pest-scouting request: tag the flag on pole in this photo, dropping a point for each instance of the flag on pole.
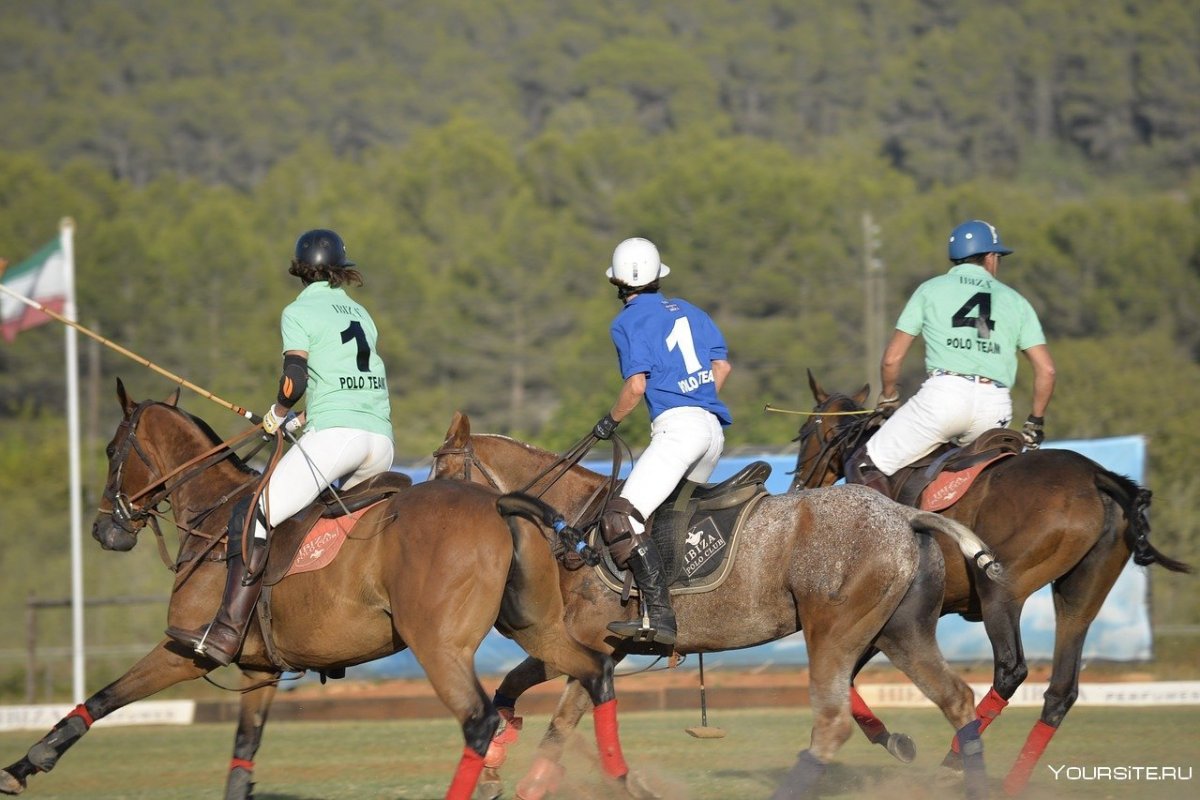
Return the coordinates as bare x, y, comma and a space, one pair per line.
41, 277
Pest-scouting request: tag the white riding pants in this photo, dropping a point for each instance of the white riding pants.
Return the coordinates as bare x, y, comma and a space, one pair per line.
947, 408
685, 442
317, 459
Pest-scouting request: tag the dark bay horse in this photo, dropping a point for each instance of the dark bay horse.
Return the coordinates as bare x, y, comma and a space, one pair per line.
845, 563
432, 568
1051, 516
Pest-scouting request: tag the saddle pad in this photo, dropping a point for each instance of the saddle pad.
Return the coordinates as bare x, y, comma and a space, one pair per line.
702, 558
323, 542
948, 487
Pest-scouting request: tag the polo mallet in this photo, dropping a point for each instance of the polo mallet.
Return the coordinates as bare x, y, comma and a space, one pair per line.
704, 732
241, 412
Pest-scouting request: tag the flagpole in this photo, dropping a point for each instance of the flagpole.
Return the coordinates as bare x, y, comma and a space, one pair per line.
67, 238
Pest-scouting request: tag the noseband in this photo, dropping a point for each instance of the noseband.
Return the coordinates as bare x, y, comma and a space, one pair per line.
127, 516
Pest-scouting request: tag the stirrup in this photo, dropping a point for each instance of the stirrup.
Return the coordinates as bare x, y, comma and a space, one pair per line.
644, 633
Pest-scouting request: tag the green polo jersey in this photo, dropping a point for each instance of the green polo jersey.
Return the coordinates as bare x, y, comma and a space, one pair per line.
971, 323
347, 382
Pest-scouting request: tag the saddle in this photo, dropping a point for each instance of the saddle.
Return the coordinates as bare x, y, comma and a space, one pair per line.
301, 544
940, 479
696, 531
290, 535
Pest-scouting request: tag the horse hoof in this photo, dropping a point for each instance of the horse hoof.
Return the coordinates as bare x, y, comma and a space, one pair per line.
902, 747
639, 788
9, 784
489, 790
947, 780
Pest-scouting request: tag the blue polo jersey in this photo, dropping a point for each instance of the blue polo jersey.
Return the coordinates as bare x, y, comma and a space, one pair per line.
674, 343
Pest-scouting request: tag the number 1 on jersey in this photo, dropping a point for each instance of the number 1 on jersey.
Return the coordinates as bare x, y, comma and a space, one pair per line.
681, 337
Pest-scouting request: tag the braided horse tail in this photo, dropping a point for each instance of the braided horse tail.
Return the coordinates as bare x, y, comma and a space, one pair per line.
1135, 502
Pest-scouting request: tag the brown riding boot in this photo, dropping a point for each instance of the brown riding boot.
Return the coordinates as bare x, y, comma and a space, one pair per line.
659, 626
221, 639
861, 469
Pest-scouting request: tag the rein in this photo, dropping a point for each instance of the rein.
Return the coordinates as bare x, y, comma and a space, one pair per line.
843, 439
130, 517
555, 471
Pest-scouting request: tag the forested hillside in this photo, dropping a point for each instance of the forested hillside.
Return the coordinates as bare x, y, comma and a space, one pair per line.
482, 160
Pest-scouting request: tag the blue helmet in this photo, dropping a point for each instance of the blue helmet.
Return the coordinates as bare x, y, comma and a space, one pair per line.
975, 237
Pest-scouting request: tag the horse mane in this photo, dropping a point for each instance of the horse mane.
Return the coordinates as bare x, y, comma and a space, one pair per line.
208, 431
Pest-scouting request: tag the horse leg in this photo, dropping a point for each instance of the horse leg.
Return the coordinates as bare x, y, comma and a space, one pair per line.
900, 745
1078, 596
591, 676
832, 641
545, 773
529, 673
909, 640
450, 668
158, 669
258, 690
1002, 622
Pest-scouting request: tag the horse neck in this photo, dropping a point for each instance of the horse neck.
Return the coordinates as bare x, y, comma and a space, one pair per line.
172, 439
514, 465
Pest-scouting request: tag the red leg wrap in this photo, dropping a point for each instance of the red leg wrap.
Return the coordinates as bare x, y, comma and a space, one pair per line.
543, 778
242, 763
1035, 745
82, 712
466, 776
611, 758
507, 734
865, 717
988, 709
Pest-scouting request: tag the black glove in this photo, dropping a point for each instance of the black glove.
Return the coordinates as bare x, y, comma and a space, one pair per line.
605, 427
1032, 432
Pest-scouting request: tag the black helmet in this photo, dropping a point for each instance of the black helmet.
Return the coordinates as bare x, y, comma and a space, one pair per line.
322, 248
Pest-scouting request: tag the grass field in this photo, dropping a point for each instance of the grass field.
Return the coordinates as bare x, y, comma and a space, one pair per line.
414, 759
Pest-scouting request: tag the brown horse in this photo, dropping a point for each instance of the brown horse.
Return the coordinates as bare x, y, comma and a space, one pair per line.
432, 568
844, 563
1052, 517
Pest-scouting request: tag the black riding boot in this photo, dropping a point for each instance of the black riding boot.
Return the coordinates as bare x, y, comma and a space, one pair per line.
221, 639
659, 625
861, 469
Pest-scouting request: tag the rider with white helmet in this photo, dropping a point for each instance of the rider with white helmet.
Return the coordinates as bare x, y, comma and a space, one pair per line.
673, 356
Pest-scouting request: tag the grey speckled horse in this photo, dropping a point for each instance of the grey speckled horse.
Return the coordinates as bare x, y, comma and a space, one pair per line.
851, 568
1053, 517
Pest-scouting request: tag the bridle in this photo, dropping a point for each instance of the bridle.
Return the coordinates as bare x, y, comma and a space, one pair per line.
470, 459
835, 444
550, 475
132, 512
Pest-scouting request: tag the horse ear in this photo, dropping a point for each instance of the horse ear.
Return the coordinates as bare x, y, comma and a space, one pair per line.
863, 394
459, 430
126, 404
819, 394
173, 398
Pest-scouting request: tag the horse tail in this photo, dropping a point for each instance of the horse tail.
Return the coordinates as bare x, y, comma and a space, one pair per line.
519, 504
1135, 502
971, 545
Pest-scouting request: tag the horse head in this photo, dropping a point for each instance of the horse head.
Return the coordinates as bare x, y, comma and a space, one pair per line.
836, 425
160, 453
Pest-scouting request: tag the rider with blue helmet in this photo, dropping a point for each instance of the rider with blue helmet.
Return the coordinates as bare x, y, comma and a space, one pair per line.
973, 326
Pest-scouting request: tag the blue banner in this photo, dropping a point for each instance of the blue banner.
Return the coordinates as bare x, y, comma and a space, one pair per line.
1121, 631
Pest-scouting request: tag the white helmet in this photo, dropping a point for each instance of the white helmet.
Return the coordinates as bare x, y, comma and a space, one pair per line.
636, 263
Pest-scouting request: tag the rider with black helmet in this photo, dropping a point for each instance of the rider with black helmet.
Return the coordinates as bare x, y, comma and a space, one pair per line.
330, 358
